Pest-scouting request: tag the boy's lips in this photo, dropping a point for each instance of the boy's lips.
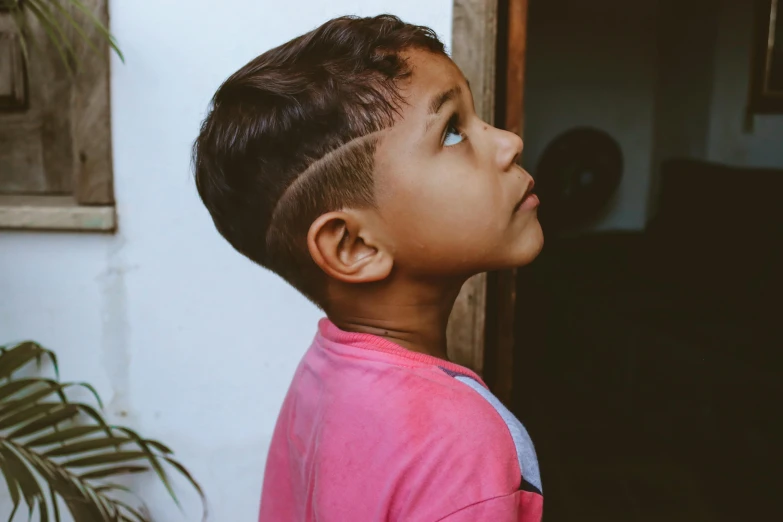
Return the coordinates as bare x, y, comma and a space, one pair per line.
529, 200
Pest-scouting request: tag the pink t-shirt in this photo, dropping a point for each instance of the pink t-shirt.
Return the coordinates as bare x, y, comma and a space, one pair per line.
370, 431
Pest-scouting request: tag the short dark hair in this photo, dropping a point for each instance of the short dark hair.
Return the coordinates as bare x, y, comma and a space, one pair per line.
289, 137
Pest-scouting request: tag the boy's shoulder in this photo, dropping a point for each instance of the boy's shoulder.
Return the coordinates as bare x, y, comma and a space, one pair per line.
426, 402
358, 389
420, 432
406, 433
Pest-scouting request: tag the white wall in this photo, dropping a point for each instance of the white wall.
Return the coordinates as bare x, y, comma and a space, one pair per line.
729, 141
594, 64
185, 339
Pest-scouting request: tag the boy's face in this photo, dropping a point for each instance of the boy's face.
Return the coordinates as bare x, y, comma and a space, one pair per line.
451, 197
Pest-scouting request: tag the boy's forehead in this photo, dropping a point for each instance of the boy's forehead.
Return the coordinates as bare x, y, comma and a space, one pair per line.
431, 75
434, 80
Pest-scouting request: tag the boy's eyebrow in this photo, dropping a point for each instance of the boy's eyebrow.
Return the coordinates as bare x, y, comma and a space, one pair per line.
440, 100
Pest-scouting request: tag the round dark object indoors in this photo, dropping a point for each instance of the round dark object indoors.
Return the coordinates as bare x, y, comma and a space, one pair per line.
577, 175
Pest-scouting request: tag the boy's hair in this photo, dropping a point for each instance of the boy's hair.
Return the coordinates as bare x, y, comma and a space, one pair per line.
289, 137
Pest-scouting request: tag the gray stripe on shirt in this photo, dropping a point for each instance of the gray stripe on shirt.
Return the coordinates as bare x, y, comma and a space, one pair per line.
526, 453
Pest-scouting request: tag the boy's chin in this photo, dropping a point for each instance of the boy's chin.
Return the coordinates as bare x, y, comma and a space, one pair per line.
526, 248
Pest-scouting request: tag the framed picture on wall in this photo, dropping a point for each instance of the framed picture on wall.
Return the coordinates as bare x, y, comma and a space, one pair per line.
766, 94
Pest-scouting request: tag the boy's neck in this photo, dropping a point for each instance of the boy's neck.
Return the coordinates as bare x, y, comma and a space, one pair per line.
411, 314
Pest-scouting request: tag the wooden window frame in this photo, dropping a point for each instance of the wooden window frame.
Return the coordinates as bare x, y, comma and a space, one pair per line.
763, 99
481, 326
90, 204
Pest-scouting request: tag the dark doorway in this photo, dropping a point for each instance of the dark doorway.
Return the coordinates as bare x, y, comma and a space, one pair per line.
648, 353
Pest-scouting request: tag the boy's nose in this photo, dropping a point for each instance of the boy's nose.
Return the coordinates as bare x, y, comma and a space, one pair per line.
509, 147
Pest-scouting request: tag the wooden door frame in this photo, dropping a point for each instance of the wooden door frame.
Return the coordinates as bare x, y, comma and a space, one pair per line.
481, 326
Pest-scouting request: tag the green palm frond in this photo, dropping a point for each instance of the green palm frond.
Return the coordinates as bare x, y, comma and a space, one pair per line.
57, 18
56, 452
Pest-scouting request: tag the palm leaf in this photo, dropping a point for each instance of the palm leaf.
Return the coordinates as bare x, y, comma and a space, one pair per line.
23, 353
52, 418
14, 387
49, 387
128, 512
153, 461
47, 456
76, 26
54, 18
55, 507
21, 475
185, 473
13, 485
87, 445
62, 436
55, 31
17, 417
101, 28
113, 471
21, 23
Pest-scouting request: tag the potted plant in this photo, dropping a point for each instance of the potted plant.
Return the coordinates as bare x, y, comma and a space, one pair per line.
56, 452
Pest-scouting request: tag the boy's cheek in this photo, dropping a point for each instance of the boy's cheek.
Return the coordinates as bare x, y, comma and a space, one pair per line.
451, 228
452, 246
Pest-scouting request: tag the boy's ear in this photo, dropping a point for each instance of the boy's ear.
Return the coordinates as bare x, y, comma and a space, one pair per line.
343, 245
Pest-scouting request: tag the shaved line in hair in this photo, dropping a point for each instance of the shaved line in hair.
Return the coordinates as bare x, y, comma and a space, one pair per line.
296, 188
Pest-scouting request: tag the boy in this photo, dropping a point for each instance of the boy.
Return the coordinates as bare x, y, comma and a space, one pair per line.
350, 161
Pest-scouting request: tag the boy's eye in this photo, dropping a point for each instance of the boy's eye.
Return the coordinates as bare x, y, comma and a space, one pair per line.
453, 136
